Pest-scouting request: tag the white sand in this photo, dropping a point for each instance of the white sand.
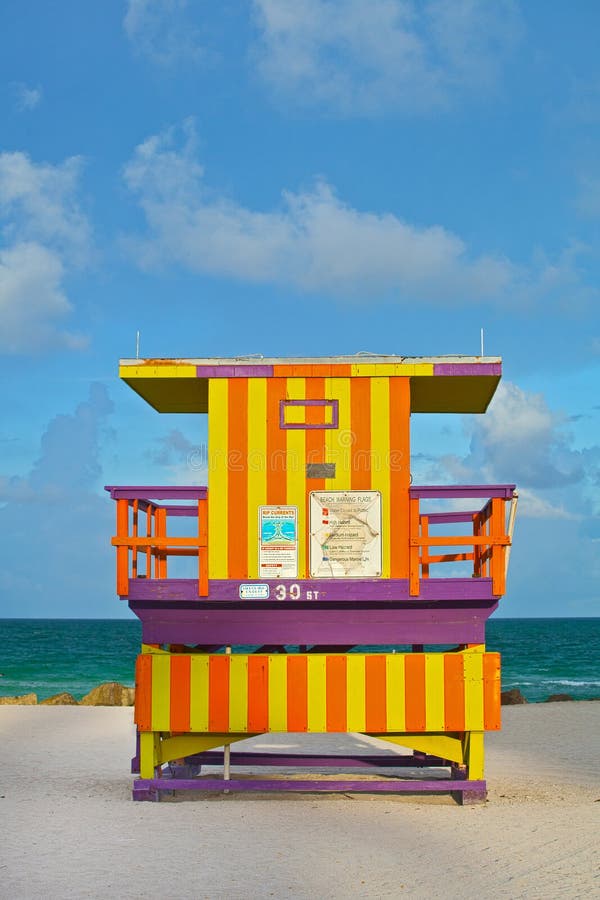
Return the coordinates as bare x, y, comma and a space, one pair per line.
68, 828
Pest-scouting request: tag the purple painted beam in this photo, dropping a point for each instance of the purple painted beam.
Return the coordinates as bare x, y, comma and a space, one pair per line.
235, 371
299, 760
388, 786
154, 492
454, 491
467, 369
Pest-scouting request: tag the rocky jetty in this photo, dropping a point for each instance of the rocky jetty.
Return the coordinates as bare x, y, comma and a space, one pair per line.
558, 698
22, 700
62, 699
111, 693
514, 697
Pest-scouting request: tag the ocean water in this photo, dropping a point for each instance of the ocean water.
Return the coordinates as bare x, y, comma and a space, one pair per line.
45, 656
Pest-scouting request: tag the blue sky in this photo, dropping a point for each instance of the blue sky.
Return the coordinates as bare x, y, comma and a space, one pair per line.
295, 177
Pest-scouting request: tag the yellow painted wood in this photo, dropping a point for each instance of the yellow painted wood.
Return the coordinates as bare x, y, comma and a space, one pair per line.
185, 745
149, 753
278, 692
199, 692
448, 746
380, 458
473, 667
161, 693
396, 698
434, 691
217, 479
356, 690
238, 692
423, 369
474, 754
338, 441
150, 648
316, 689
169, 371
257, 464
296, 470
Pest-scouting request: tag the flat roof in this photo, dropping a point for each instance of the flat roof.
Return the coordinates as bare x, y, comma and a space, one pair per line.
442, 384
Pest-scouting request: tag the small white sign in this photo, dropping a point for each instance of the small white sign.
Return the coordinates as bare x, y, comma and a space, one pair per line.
345, 534
278, 542
254, 591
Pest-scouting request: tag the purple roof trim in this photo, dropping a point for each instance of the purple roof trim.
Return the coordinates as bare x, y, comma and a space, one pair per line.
453, 491
153, 492
239, 371
467, 369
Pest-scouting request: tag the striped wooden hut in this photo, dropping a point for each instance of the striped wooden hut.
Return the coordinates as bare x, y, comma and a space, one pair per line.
326, 588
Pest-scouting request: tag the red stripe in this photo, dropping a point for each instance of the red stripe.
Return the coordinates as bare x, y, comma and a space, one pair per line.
276, 444
491, 691
375, 693
180, 693
218, 694
297, 693
360, 421
399, 474
258, 694
336, 691
143, 692
414, 667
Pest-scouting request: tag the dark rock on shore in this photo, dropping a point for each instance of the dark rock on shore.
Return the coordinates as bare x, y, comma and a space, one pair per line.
514, 697
62, 699
111, 693
558, 698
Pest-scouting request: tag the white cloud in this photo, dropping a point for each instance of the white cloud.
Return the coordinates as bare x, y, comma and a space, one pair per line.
43, 234
353, 57
313, 241
26, 98
161, 31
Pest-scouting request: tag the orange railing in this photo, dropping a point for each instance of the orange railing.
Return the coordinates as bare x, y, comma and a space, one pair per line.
134, 504
488, 544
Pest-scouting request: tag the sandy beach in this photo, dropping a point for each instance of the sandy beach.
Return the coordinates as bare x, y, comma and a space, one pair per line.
70, 830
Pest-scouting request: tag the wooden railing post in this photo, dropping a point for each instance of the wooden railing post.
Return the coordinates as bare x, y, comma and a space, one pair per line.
202, 547
425, 549
161, 532
134, 552
497, 526
122, 552
414, 547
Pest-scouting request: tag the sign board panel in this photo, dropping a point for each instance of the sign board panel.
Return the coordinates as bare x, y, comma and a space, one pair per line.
345, 534
254, 591
278, 542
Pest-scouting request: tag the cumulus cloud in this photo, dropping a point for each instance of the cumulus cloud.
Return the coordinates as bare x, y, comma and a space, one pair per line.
43, 235
314, 241
186, 462
26, 98
161, 30
353, 57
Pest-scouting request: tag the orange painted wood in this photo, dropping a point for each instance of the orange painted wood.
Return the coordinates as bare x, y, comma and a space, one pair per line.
122, 551
203, 548
143, 692
414, 586
161, 524
454, 692
360, 420
218, 693
180, 692
297, 693
308, 370
399, 475
134, 553
498, 553
425, 558
237, 487
336, 693
258, 693
276, 444
414, 669
458, 540
314, 443
149, 521
375, 693
491, 691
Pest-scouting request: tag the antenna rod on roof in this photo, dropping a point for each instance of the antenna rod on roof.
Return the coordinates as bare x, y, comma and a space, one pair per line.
137, 345
482, 341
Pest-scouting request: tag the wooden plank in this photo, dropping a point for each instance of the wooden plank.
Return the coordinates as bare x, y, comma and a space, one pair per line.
297, 693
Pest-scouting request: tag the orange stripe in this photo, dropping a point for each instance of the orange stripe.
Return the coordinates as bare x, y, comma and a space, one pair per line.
414, 667
237, 487
297, 693
218, 693
454, 692
360, 418
399, 474
323, 370
180, 693
375, 693
315, 442
336, 693
276, 444
258, 693
143, 692
491, 691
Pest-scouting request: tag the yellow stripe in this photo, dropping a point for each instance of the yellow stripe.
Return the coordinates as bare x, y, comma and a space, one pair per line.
296, 471
278, 692
374, 370
257, 464
183, 371
473, 663
161, 693
338, 441
434, 692
396, 701
238, 693
199, 693
356, 690
217, 479
317, 693
422, 369
380, 457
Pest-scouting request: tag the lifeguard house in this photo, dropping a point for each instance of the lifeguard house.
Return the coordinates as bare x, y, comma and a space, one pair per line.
328, 593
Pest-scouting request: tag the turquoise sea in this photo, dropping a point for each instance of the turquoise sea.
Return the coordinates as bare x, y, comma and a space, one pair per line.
45, 656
